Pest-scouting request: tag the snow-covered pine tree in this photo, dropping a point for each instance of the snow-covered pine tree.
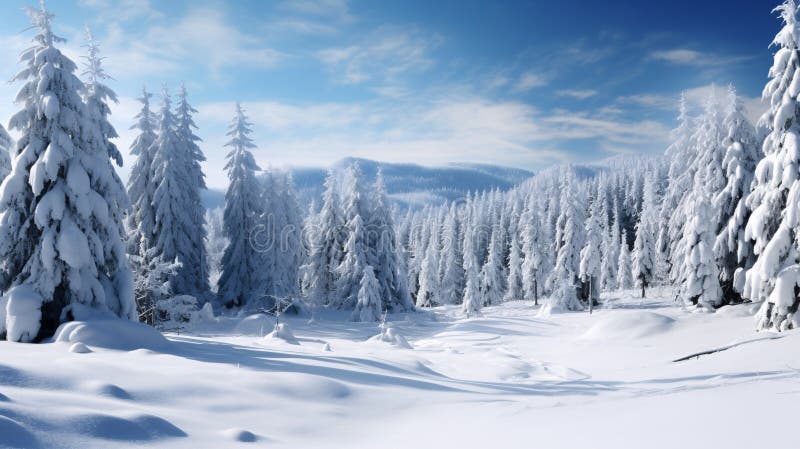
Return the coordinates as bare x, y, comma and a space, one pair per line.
242, 272
532, 253
624, 276
6, 145
356, 249
428, 294
680, 154
589, 268
281, 250
700, 277
326, 248
386, 259
491, 275
471, 304
706, 174
60, 209
514, 287
610, 251
743, 152
643, 259
568, 244
451, 260
775, 194
368, 304
141, 216
192, 280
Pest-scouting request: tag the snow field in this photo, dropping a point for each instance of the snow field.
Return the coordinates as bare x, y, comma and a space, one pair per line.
507, 378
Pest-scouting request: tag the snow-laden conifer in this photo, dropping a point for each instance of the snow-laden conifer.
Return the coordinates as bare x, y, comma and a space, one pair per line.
385, 255
491, 275
61, 241
192, 280
368, 304
356, 249
514, 287
589, 268
643, 259
326, 246
773, 226
242, 272
743, 153
428, 294
451, 261
700, 277
141, 189
624, 276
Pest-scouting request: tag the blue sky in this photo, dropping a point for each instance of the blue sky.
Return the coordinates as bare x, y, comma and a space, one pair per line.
518, 83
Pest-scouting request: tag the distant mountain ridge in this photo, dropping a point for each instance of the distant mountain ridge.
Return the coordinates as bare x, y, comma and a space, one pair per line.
409, 185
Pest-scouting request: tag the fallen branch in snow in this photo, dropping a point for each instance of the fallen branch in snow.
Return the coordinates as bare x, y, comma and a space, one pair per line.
725, 348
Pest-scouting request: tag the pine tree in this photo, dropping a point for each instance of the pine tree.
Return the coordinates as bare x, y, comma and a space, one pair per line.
733, 253
644, 245
491, 276
608, 265
700, 281
356, 249
281, 250
532, 251
452, 262
141, 190
383, 239
568, 243
428, 294
60, 210
471, 304
773, 226
624, 277
590, 256
327, 241
514, 287
680, 153
192, 279
242, 272
368, 305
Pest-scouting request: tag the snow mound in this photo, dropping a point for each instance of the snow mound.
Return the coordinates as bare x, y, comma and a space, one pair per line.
740, 310
241, 435
106, 390
390, 335
256, 325
282, 331
79, 348
120, 335
631, 325
23, 313
14, 434
133, 428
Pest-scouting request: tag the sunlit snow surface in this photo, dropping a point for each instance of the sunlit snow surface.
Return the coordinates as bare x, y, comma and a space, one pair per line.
508, 379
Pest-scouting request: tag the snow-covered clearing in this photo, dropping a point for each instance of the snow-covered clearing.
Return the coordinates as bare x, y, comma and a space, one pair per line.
508, 379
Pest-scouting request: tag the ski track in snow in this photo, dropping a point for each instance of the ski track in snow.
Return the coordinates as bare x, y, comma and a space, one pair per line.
508, 378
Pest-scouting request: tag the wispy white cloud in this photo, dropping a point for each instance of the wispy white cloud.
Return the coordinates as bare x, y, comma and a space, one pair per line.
580, 94
684, 56
310, 17
530, 80
202, 38
383, 56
